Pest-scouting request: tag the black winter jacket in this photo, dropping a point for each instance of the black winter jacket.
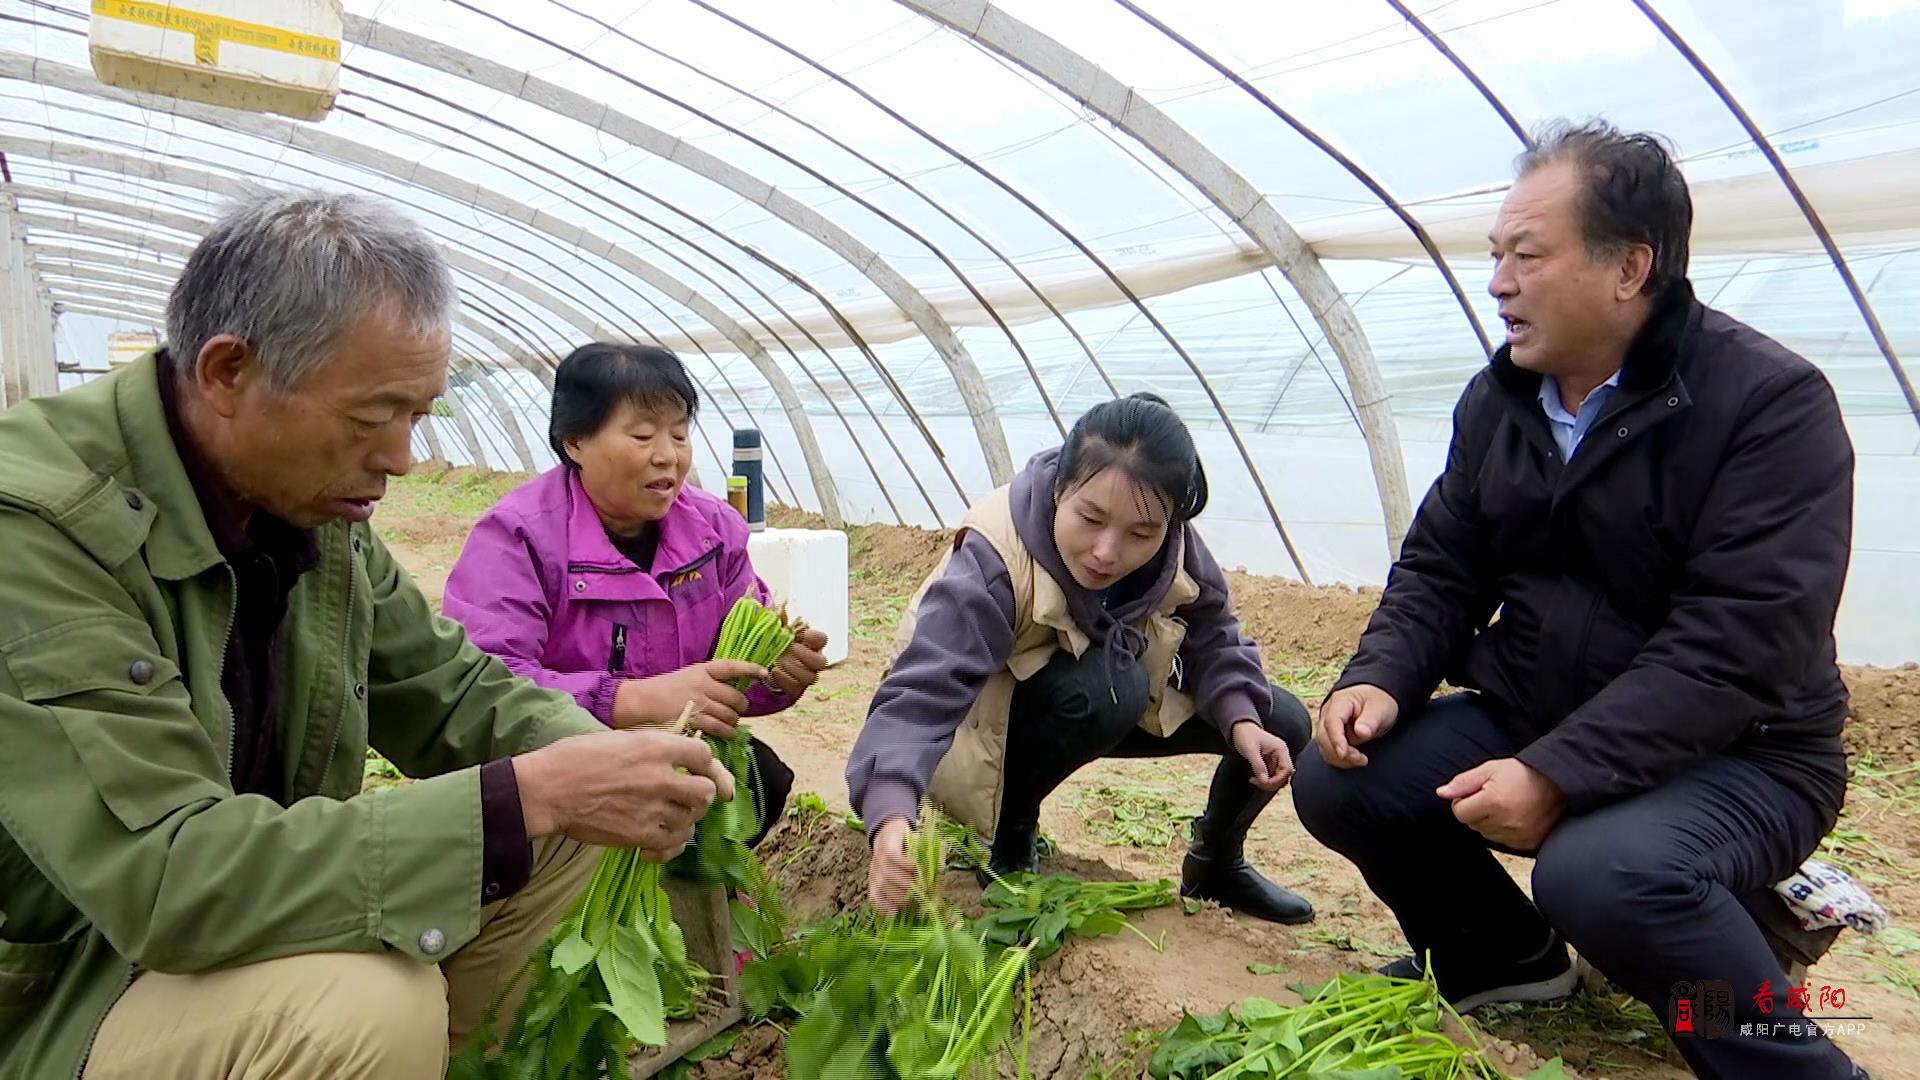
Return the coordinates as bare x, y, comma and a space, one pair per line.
1668, 595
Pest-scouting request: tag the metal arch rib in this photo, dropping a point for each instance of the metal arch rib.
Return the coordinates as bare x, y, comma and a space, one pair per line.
458, 259
53, 253
137, 241
104, 304
379, 162
1352, 168
1800, 199
544, 370
133, 285
134, 288
1088, 83
518, 84
1466, 72
305, 137
197, 226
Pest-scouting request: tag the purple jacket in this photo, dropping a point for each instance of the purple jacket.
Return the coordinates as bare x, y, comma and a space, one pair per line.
540, 586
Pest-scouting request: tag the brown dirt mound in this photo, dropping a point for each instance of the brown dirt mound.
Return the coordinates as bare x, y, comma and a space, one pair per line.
1886, 713
819, 864
1301, 624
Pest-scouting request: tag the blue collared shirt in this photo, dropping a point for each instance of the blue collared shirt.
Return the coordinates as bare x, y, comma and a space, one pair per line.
1569, 429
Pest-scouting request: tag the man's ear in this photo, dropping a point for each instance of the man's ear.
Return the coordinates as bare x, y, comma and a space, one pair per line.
223, 372
1634, 269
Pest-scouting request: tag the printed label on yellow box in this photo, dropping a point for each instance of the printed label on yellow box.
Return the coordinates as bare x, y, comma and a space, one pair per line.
210, 30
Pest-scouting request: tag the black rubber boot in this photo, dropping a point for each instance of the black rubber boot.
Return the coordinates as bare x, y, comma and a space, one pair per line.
1215, 868
1014, 851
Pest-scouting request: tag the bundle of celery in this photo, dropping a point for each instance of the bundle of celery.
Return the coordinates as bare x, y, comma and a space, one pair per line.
920, 994
1356, 1025
616, 969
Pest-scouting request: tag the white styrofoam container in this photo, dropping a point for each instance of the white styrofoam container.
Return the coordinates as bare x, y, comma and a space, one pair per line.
277, 56
806, 569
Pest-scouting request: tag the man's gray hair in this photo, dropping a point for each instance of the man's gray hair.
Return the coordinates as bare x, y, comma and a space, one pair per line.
289, 273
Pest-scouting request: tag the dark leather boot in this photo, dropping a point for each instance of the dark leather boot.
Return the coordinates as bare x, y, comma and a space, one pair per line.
1215, 868
1234, 883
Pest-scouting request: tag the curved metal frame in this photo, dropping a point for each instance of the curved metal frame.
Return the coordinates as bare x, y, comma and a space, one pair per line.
141, 312
1780, 169
496, 152
137, 289
1086, 82
604, 117
1353, 168
1466, 72
564, 233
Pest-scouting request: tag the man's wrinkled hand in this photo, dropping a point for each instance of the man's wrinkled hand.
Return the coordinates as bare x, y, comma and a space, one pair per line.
1507, 801
634, 789
1350, 717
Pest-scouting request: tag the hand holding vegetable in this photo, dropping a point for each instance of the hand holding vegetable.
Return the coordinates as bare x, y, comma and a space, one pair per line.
890, 873
717, 703
1268, 754
1351, 716
800, 666
620, 788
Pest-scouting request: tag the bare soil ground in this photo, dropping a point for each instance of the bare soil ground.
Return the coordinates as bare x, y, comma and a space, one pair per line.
1095, 1000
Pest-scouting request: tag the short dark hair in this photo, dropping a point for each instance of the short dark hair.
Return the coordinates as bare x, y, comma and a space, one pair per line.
1144, 438
594, 379
1632, 192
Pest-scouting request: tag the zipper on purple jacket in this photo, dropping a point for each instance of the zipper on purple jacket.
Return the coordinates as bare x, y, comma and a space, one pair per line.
617, 659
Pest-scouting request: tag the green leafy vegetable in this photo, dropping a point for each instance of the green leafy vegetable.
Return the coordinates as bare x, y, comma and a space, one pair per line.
608, 978
1355, 1026
919, 994
615, 970
1042, 911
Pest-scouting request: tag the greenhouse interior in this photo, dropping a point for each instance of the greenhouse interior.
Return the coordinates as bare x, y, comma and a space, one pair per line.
903, 245
910, 242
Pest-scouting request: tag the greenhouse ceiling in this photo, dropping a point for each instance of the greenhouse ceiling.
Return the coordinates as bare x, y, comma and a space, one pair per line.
912, 240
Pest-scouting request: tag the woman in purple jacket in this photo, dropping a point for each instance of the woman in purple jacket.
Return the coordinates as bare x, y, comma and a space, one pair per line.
1077, 616
607, 577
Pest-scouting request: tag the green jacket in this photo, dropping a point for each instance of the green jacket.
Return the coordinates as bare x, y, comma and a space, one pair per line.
124, 847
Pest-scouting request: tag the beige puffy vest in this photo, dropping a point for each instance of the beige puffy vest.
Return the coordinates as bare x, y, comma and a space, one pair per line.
968, 782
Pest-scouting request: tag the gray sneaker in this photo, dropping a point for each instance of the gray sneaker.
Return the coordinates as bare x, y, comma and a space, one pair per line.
1547, 975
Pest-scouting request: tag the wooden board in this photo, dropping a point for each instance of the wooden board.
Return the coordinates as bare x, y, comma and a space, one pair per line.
701, 911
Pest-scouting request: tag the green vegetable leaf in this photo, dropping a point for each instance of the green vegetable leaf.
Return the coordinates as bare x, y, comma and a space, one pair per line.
1266, 969
569, 1030
573, 954
633, 989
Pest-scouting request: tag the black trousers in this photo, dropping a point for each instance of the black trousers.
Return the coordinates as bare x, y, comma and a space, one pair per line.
1071, 713
772, 783
1645, 888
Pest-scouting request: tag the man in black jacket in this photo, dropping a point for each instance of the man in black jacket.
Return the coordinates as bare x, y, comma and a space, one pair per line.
1632, 561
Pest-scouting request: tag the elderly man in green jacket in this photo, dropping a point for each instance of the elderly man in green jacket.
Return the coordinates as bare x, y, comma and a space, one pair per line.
199, 638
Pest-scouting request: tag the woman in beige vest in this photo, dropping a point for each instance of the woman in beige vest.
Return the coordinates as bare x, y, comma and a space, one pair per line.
1077, 616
